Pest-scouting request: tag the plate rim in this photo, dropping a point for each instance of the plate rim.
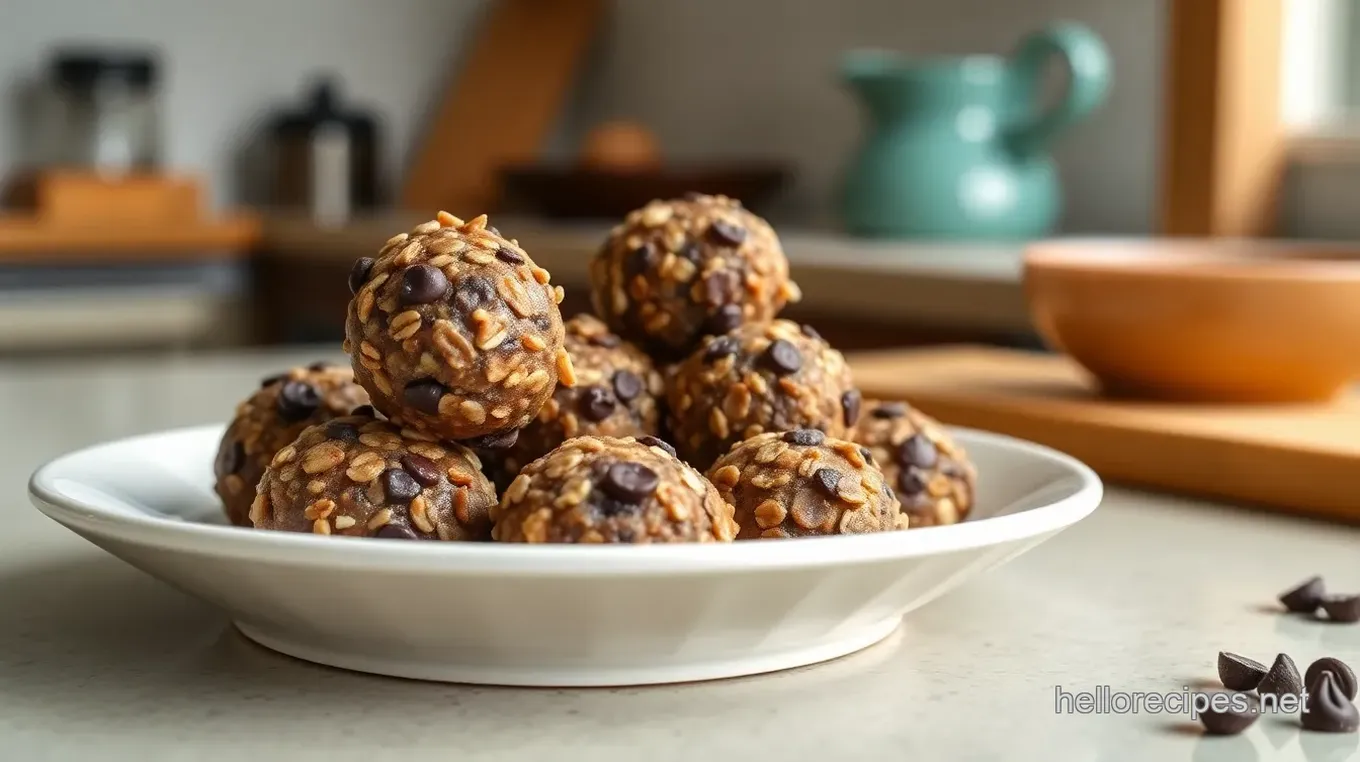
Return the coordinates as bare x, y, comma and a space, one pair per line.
503, 559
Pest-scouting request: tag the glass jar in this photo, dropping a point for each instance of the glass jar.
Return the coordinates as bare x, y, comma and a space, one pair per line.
108, 116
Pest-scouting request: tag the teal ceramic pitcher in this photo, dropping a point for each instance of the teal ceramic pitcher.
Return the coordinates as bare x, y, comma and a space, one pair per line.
958, 148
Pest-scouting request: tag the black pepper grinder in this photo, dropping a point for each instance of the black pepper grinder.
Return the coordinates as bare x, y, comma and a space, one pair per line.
327, 158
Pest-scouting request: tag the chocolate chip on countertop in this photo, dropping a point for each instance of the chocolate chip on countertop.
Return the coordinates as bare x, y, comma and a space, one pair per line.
230, 458
1327, 709
827, 479
1239, 712
650, 441
629, 482
1345, 676
850, 402
400, 487
606, 340
783, 357
358, 275
424, 394
297, 400
725, 319
596, 403
345, 432
804, 437
396, 532
421, 468
627, 386
367, 411
1305, 598
917, 450
1342, 608
1282, 678
1238, 672
422, 284
500, 440
727, 233
910, 482
889, 410
473, 292
274, 379
721, 347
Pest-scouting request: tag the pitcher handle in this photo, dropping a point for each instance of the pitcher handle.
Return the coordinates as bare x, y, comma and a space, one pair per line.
1088, 66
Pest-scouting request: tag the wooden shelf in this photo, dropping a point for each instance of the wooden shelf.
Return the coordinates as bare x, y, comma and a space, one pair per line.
24, 240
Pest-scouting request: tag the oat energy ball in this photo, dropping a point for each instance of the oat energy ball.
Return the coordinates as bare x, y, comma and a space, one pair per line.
932, 475
761, 377
617, 394
602, 489
360, 476
455, 332
273, 416
678, 270
800, 483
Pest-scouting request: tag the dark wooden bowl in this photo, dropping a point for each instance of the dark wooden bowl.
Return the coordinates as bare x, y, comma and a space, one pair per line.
571, 192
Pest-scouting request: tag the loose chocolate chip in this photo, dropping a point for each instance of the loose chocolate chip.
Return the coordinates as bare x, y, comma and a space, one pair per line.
850, 406
804, 437
868, 456
1238, 712
401, 489
509, 256
721, 347
1328, 710
473, 292
810, 332
358, 275
320, 365
783, 357
641, 259
297, 400
421, 468
396, 532
596, 403
1345, 676
1238, 672
692, 252
606, 340
500, 440
727, 233
1342, 608
889, 410
649, 441
422, 284
1282, 678
827, 479
629, 482
910, 482
1305, 598
424, 394
917, 450
342, 431
366, 411
274, 379
230, 458
627, 386
725, 319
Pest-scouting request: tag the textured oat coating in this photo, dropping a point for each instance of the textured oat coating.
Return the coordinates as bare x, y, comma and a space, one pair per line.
607, 490
272, 417
931, 473
359, 476
761, 377
455, 332
801, 483
675, 271
617, 394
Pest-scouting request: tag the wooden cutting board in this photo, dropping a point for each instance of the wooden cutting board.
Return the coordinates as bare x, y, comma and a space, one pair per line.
1298, 458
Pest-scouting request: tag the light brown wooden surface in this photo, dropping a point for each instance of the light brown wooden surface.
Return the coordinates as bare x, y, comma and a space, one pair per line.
1223, 143
1302, 458
502, 103
25, 239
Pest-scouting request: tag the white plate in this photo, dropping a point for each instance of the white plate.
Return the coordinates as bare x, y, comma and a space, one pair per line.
555, 615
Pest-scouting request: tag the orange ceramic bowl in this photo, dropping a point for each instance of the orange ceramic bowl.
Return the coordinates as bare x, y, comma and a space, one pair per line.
1202, 321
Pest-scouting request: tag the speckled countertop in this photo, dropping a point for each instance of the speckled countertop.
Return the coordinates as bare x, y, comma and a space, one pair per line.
100, 662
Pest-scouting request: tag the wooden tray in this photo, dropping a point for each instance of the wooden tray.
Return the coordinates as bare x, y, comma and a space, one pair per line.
1297, 458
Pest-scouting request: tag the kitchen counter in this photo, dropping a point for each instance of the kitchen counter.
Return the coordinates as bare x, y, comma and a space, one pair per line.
99, 661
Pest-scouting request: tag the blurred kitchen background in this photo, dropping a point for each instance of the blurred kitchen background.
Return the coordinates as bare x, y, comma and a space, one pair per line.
182, 174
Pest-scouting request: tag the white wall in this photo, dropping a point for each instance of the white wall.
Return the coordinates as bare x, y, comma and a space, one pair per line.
714, 78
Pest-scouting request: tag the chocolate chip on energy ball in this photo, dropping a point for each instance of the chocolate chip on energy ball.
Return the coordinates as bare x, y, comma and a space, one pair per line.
358, 275
868, 457
297, 400
1342, 608
627, 385
424, 395
1238, 672
1305, 598
917, 450
1327, 709
810, 332
341, 431
274, 379
368, 411
850, 402
889, 410
1282, 678
727, 233
422, 284
721, 347
509, 256
1229, 713
629, 482
421, 468
397, 532
692, 252
783, 357
596, 403
641, 258
650, 441
805, 437
472, 292
500, 440
725, 319
910, 482
400, 487
1345, 676
827, 479
230, 459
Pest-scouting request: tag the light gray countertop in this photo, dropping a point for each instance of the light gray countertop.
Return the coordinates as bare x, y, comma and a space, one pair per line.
99, 661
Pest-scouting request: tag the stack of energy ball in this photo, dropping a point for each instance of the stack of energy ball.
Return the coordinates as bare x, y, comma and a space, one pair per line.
684, 410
